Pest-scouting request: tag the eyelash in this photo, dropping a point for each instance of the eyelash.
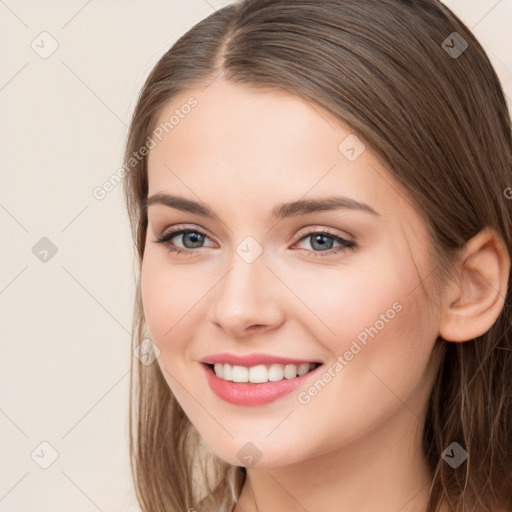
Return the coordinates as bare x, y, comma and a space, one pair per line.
346, 245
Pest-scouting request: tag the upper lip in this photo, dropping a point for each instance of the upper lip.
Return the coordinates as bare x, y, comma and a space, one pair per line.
251, 359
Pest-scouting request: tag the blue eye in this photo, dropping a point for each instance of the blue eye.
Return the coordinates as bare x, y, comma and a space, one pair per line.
317, 237
166, 239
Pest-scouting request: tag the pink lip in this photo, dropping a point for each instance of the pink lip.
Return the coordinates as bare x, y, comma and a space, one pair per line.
251, 359
241, 393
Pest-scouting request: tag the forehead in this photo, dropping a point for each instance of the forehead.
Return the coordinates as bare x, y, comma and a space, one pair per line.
260, 148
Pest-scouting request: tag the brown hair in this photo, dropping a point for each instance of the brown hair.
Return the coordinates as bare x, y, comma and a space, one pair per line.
440, 123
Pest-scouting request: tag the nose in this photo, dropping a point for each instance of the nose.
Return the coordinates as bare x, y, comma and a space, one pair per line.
249, 298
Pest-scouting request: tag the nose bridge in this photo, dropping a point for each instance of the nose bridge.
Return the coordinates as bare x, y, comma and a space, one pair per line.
248, 294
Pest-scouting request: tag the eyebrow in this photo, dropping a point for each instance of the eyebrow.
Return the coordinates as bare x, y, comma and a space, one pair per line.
281, 211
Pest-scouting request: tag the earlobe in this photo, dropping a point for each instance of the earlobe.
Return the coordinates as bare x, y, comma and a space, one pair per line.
474, 303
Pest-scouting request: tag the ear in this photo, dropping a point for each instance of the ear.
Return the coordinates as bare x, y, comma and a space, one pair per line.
473, 304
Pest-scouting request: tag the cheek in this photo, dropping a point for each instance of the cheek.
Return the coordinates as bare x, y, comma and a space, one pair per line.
385, 340
339, 303
373, 315
166, 296
175, 298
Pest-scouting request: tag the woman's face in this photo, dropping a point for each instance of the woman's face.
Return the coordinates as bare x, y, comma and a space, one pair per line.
253, 283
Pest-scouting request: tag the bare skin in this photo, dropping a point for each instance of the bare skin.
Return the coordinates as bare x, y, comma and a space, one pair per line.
356, 444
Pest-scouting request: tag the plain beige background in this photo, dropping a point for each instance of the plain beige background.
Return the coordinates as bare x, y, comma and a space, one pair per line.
65, 344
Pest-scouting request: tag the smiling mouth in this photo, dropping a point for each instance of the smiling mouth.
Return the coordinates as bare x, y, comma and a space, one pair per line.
261, 374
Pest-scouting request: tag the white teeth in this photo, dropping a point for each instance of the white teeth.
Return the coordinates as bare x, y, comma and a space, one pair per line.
261, 373
304, 368
258, 374
240, 374
219, 369
276, 372
227, 372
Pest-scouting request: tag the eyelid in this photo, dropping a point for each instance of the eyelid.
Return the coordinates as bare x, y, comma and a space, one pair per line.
183, 227
328, 231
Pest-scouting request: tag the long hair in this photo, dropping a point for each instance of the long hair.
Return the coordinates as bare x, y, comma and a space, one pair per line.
429, 104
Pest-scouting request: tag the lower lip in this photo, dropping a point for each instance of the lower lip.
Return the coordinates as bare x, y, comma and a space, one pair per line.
241, 393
